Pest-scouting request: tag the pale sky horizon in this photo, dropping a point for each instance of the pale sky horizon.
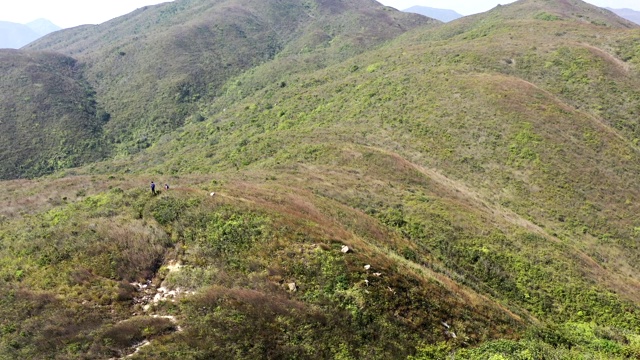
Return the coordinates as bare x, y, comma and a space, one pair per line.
70, 13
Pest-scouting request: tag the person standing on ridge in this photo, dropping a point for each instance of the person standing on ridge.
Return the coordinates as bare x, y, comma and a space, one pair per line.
153, 188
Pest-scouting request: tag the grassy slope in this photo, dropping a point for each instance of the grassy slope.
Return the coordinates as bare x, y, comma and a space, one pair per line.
483, 169
561, 166
240, 249
154, 67
49, 119
466, 110
137, 77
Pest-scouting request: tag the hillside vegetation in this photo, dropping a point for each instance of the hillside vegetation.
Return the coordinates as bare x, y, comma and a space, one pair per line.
50, 118
154, 69
463, 191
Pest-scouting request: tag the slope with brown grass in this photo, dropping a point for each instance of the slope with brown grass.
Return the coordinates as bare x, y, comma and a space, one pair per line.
481, 174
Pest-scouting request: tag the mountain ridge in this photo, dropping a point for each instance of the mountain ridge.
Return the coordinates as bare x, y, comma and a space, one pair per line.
454, 190
225, 38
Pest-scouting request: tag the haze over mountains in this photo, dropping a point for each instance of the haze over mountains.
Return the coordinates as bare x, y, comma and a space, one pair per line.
628, 14
345, 181
443, 15
15, 36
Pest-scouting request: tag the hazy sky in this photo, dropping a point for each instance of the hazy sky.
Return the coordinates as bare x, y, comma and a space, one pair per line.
68, 13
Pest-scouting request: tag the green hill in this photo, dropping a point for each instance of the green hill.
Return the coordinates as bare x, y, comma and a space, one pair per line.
154, 68
462, 191
561, 10
50, 119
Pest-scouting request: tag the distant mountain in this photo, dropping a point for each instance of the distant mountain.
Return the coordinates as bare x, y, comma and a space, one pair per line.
443, 15
43, 26
628, 14
15, 36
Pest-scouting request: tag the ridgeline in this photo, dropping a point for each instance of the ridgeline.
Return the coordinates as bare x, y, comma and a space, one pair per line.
346, 181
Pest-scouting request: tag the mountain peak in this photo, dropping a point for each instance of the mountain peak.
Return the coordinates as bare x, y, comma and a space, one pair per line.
43, 26
559, 10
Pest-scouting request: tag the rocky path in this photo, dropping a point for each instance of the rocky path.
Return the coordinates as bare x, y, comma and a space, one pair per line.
150, 294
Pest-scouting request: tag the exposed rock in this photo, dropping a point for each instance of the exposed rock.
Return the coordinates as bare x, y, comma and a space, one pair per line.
293, 287
345, 249
174, 266
139, 346
367, 267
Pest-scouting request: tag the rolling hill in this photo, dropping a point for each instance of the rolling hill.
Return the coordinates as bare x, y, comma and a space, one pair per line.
50, 119
159, 63
464, 190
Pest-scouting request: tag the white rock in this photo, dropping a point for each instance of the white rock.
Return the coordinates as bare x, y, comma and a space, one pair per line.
212, 194
367, 267
345, 249
174, 266
139, 346
293, 287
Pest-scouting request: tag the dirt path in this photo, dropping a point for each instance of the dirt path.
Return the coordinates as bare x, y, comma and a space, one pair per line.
149, 294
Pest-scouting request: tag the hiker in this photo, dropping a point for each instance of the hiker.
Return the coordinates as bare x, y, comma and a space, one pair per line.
153, 188
166, 186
